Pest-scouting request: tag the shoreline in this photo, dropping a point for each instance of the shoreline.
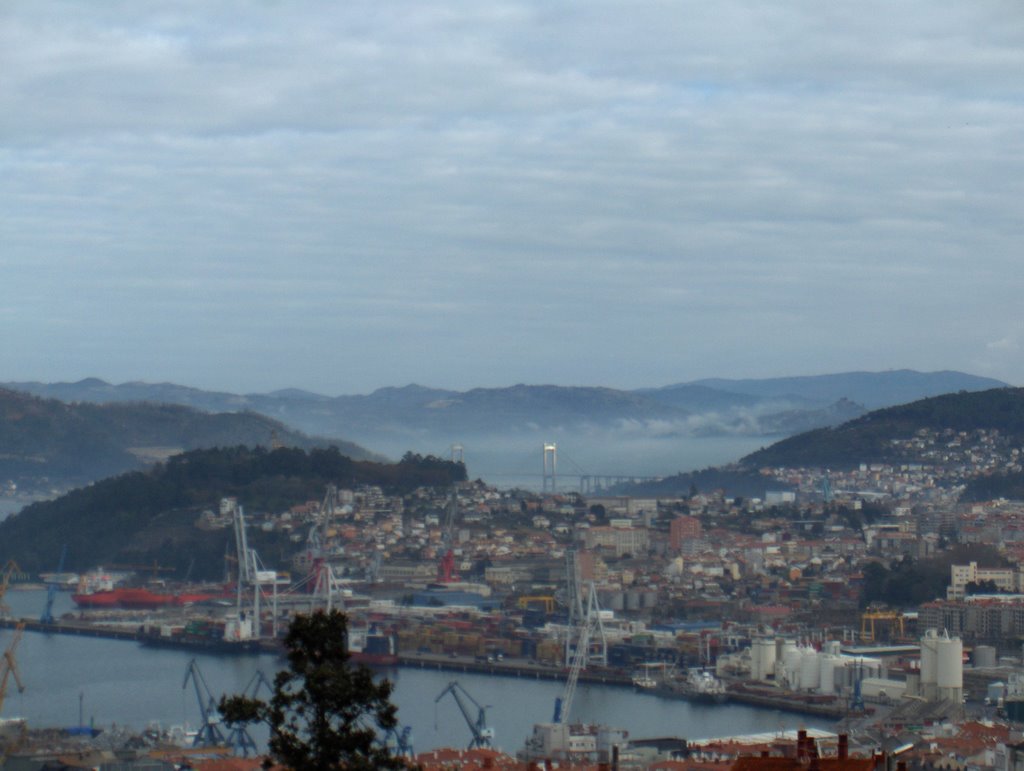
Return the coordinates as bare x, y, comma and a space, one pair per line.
518, 669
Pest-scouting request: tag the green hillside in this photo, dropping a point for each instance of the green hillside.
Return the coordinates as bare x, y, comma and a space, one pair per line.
144, 517
868, 438
45, 443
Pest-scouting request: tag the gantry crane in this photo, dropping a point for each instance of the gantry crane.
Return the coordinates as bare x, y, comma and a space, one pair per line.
9, 667
209, 734
483, 734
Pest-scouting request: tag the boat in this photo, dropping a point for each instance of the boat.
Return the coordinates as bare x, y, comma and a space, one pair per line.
702, 685
139, 598
233, 634
651, 675
374, 648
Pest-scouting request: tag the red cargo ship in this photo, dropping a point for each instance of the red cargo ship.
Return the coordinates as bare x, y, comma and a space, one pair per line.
135, 598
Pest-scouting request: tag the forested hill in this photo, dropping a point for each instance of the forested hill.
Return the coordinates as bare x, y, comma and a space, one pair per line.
45, 443
869, 438
149, 516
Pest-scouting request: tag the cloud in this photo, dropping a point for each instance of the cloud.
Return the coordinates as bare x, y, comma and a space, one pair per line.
477, 195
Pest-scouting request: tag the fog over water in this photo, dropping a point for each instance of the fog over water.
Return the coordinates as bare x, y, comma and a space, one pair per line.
518, 461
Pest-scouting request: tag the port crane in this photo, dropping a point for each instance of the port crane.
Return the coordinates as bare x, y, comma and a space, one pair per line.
591, 644
210, 733
239, 737
9, 571
9, 667
563, 703
483, 735
51, 589
399, 741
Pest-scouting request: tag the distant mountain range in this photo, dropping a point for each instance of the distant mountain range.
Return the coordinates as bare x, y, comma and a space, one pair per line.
769, 407
46, 443
86, 430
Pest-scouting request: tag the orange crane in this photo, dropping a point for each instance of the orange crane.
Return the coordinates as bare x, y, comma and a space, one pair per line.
8, 666
9, 570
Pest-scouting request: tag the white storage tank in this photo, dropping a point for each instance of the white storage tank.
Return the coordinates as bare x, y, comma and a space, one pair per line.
791, 666
810, 670
929, 664
762, 658
984, 656
951, 663
833, 647
829, 663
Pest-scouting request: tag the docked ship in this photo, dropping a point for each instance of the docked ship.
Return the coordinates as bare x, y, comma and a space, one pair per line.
139, 598
651, 675
702, 685
374, 648
100, 590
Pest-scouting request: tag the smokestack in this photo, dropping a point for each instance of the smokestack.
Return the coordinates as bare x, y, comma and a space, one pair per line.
843, 750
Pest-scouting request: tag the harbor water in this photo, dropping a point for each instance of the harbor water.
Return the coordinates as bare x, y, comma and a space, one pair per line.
123, 683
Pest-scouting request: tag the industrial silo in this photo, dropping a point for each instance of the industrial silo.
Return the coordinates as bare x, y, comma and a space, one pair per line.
791, 666
762, 658
810, 670
929, 665
984, 656
829, 663
950, 669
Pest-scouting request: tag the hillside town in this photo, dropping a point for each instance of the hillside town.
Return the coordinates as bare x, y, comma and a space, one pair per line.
872, 596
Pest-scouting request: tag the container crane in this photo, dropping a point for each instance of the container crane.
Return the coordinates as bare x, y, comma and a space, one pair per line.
209, 734
483, 735
591, 636
9, 667
563, 704
51, 590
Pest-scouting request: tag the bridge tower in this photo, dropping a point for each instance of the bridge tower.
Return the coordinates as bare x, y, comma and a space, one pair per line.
550, 471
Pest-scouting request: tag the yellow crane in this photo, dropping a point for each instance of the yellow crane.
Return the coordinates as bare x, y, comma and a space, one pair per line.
8, 666
891, 620
10, 570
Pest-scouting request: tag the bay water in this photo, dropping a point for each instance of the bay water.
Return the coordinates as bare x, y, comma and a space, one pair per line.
127, 684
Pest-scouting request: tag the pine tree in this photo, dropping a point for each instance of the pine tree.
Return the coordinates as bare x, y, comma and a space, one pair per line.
325, 713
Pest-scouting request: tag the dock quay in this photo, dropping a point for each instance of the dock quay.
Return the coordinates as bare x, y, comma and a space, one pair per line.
71, 628
517, 668
788, 701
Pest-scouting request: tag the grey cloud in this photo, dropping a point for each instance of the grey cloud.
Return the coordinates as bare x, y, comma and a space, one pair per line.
612, 192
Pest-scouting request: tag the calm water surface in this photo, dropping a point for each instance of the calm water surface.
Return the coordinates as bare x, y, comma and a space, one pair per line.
124, 683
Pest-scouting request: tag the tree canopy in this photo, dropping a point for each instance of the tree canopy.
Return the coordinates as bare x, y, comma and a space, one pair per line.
325, 713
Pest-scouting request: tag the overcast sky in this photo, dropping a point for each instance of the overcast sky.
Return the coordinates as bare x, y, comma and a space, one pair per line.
346, 195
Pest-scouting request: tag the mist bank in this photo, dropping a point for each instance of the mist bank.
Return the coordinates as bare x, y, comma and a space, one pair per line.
516, 460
